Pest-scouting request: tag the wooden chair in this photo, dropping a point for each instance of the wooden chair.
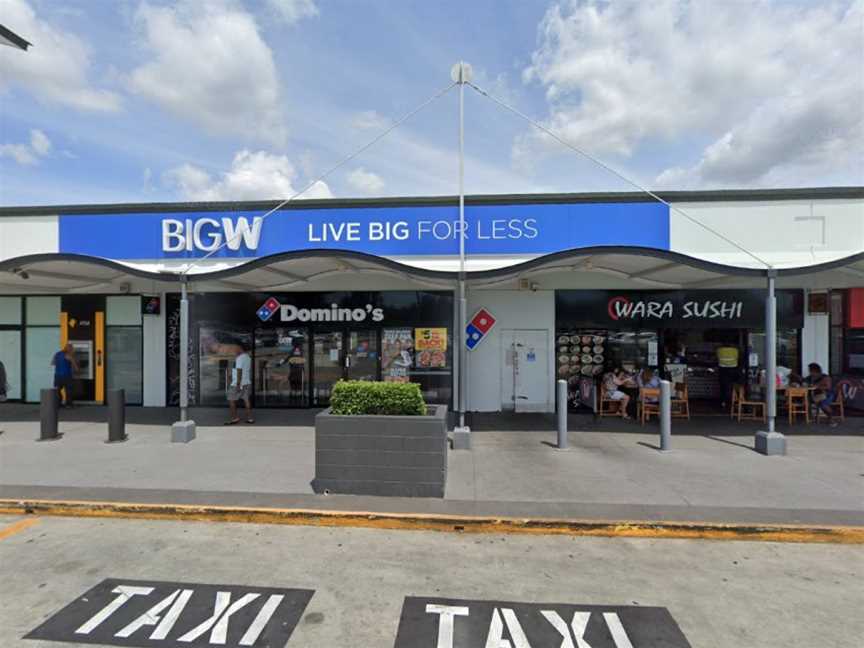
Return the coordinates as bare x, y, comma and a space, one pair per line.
837, 406
755, 407
733, 409
797, 402
681, 401
609, 407
649, 403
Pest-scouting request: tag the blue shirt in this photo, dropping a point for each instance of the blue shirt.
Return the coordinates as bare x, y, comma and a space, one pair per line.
62, 366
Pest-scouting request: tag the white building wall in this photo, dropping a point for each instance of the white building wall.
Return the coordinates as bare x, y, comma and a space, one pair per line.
20, 235
785, 233
154, 358
815, 340
512, 309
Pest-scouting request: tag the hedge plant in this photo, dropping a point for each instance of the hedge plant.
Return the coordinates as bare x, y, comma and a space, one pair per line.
353, 397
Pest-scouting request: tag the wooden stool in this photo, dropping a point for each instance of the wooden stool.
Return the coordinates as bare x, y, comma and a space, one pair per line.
797, 402
648, 407
836, 405
681, 401
733, 409
754, 406
610, 407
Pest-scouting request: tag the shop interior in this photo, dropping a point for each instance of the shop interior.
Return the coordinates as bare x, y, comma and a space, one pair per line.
688, 356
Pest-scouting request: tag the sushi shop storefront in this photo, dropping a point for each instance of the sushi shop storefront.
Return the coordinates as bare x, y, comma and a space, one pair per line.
676, 333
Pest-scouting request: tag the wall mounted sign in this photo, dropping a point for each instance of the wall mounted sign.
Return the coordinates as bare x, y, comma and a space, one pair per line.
675, 309
173, 615
452, 623
384, 231
478, 327
333, 313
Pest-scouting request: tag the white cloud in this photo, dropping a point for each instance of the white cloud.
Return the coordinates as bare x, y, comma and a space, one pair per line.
56, 68
210, 66
27, 154
253, 176
773, 86
292, 11
365, 181
370, 120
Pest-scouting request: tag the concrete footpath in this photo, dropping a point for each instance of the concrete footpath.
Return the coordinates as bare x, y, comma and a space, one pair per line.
608, 473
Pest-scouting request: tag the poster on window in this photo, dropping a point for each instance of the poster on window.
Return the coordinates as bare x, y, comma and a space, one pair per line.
431, 345
397, 354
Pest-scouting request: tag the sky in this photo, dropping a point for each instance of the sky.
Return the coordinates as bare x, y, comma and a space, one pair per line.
149, 101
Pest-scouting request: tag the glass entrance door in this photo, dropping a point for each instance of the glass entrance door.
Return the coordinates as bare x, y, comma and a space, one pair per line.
362, 355
328, 361
282, 367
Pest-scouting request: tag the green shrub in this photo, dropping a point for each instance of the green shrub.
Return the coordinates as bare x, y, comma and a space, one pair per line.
352, 397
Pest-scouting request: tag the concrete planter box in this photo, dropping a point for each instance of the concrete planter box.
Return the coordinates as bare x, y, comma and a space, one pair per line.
400, 456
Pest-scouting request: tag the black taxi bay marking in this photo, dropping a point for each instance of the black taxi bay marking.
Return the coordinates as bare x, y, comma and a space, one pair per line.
177, 615
455, 623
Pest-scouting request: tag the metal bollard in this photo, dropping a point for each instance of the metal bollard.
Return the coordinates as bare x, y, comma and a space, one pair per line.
562, 414
116, 416
49, 400
665, 415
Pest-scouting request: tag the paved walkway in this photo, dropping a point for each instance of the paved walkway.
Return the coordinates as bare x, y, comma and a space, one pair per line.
518, 472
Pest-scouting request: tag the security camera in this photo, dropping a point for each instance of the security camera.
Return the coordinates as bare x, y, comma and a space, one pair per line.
21, 273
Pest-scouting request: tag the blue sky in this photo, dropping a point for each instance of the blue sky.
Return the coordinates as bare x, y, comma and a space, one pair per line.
127, 100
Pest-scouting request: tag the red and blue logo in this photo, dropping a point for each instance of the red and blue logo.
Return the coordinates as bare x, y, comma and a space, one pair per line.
478, 327
268, 308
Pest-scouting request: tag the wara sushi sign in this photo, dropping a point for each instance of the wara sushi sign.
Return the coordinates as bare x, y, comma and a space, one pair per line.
170, 615
675, 308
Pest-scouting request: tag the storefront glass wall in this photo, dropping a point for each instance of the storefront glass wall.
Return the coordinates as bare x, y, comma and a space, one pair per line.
303, 343
124, 347
10, 345
42, 337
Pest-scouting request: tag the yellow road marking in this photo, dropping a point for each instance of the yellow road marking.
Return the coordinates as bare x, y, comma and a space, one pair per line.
17, 527
437, 522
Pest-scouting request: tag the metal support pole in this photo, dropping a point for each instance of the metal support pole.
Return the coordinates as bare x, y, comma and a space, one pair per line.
461, 74
562, 414
116, 415
49, 404
184, 430
665, 415
771, 442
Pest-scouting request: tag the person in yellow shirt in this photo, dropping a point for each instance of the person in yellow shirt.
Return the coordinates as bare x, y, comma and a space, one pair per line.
727, 368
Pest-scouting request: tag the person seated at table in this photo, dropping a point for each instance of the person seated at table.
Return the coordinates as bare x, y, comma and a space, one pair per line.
647, 379
822, 392
612, 382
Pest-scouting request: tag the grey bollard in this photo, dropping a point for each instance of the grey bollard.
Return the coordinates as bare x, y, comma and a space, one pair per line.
665, 415
49, 405
116, 416
562, 414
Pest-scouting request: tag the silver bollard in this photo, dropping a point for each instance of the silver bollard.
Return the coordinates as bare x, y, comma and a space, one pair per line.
562, 414
49, 404
665, 415
116, 416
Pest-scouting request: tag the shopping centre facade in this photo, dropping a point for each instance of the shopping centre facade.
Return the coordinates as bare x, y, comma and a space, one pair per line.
561, 286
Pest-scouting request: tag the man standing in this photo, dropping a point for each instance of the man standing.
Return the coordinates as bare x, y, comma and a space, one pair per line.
727, 369
241, 385
64, 367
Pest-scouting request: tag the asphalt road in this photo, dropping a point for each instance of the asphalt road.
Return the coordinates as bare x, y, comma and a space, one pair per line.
332, 587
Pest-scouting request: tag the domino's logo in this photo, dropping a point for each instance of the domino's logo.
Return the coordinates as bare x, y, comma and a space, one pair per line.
267, 309
478, 327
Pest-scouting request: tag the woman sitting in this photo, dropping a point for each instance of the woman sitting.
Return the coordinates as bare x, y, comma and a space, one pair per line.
612, 382
822, 394
647, 379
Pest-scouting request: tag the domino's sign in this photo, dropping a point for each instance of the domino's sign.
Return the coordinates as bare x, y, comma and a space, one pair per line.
478, 328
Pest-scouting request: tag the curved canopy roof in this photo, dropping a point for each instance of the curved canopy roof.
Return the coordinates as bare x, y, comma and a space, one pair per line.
600, 267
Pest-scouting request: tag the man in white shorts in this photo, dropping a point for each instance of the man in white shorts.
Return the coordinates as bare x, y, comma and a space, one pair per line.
241, 385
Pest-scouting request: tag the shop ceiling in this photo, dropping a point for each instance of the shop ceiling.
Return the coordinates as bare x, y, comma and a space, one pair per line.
607, 267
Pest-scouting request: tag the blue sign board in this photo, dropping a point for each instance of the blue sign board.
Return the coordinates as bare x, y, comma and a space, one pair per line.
531, 229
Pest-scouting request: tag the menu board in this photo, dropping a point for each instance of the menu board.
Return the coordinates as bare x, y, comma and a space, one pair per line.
397, 354
431, 346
